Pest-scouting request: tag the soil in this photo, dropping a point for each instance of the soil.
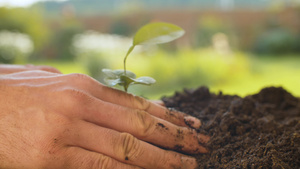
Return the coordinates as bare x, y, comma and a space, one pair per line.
257, 131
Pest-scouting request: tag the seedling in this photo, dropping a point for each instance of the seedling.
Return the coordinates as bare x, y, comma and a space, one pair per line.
150, 34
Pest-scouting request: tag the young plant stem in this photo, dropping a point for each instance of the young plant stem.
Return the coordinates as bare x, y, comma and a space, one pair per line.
128, 52
125, 88
125, 85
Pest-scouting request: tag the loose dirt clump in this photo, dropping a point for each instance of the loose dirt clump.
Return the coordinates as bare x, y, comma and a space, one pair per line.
258, 131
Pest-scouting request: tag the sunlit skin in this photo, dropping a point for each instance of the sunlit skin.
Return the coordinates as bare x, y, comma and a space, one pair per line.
52, 120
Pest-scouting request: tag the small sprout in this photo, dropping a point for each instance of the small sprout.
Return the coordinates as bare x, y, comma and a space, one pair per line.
150, 34
118, 77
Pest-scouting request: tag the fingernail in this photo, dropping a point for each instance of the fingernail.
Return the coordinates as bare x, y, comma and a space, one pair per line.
192, 122
189, 162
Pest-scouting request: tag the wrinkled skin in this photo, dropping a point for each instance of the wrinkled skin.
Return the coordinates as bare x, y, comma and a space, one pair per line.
52, 120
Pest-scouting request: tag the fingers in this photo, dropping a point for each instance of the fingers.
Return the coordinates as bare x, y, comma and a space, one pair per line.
127, 149
128, 100
157, 110
140, 123
83, 159
137, 122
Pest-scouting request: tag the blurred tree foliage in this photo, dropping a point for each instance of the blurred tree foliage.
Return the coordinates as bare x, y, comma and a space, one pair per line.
209, 26
14, 47
50, 42
63, 41
24, 21
63, 30
276, 39
59, 45
121, 27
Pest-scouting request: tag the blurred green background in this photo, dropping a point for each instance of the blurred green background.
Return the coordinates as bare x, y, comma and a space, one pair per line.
233, 46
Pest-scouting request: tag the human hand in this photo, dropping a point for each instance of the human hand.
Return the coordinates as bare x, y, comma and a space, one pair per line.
51, 120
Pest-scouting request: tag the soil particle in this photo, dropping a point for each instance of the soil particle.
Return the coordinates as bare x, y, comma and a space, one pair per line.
178, 147
257, 131
160, 125
179, 135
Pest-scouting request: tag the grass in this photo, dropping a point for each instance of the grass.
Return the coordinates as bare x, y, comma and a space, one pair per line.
238, 73
65, 67
266, 71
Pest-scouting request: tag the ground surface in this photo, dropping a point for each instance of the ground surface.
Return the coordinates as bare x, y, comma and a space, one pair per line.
258, 131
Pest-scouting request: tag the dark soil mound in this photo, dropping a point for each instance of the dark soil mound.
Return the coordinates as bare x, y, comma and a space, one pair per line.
258, 131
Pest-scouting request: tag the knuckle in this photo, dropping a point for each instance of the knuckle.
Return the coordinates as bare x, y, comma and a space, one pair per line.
79, 76
144, 123
74, 99
103, 162
79, 79
97, 161
170, 160
83, 81
75, 95
73, 92
130, 148
140, 103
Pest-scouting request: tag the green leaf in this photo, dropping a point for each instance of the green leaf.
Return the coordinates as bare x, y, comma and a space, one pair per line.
157, 32
127, 81
118, 77
112, 82
145, 80
115, 77
114, 74
152, 33
109, 73
141, 80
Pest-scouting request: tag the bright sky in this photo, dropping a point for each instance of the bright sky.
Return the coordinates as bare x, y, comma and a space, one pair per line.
20, 3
